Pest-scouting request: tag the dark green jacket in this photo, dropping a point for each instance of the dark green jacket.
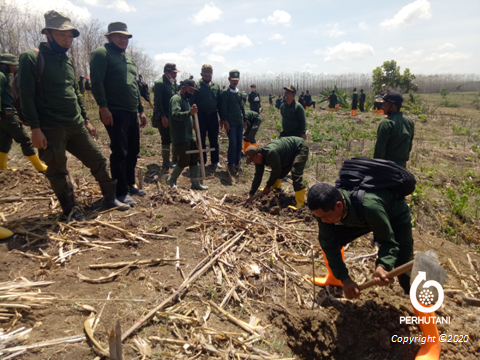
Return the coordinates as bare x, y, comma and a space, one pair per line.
395, 139
114, 80
231, 107
332, 99
181, 122
81, 85
308, 99
363, 97
207, 98
382, 212
255, 105
293, 119
6, 97
278, 154
252, 117
62, 103
270, 99
354, 97
163, 90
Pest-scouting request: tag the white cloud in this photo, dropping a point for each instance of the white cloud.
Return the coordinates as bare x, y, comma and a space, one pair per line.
446, 57
278, 17
209, 13
363, 25
447, 46
409, 14
215, 58
118, 5
261, 61
184, 60
80, 12
309, 67
335, 32
251, 20
319, 52
348, 51
220, 43
393, 50
277, 37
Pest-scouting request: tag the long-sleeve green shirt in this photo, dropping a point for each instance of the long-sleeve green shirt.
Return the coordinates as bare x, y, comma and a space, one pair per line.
81, 85
395, 139
163, 90
6, 97
181, 122
278, 154
231, 107
252, 117
383, 211
207, 98
363, 97
293, 119
255, 105
354, 97
332, 99
114, 80
308, 99
270, 99
62, 104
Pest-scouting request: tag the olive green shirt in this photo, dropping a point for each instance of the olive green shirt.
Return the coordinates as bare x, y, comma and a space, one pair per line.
163, 90
252, 117
278, 154
114, 80
207, 98
255, 105
308, 99
6, 97
62, 105
231, 107
382, 211
355, 97
181, 122
395, 139
293, 119
81, 85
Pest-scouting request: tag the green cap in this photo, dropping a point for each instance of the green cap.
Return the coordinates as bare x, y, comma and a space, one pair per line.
234, 74
8, 59
55, 20
118, 27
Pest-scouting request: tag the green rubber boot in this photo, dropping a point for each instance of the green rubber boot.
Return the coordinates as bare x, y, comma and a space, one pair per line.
195, 174
172, 180
166, 157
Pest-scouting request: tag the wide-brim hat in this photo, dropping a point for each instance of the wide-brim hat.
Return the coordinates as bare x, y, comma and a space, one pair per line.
8, 59
55, 20
118, 27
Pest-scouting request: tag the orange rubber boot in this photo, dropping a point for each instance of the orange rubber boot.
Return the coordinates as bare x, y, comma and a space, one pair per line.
245, 146
380, 111
373, 112
355, 112
329, 279
429, 350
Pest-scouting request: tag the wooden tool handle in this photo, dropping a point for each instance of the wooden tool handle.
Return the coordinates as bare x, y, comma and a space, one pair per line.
402, 269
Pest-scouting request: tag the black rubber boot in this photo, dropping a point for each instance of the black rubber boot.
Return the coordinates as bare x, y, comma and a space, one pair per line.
67, 202
109, 189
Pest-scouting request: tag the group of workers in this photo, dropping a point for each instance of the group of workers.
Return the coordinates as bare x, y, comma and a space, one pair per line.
59, 123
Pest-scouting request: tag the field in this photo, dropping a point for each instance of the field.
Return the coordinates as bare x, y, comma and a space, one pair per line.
269, 314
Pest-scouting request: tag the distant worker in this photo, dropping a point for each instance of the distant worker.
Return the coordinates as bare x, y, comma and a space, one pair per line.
11, 127
191, 77
284, 155
253, 121
301, 99
143, 87
395, 133
362, 100
270, 99
88, 84
332, 102
81, 84
308, 100
293, 115
377, 104
278, 102
353, 111
254, 99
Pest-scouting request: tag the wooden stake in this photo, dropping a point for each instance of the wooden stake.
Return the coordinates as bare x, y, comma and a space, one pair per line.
140, 178
199, 142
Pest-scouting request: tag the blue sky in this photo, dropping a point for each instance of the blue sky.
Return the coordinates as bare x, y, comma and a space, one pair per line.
287, 36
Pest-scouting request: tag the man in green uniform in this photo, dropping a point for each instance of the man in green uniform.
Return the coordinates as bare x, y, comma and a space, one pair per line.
339, 224
293, 116
181, 132
254, 99
61, 123
207, 100
270, 99
115, 88
395, 133
332, 102
163, 90
301, 99
253, 121
284, 155
11, 127
353, 110
362, 100
308, 100
232, 115
81, 85
378, 103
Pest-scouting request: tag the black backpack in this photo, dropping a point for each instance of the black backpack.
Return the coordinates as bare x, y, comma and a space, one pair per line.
363, 173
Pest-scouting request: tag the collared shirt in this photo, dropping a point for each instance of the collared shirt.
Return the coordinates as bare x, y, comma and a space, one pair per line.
6, 97
255, 101
181, 122
207, 98
293, 119
231, 107
163, 91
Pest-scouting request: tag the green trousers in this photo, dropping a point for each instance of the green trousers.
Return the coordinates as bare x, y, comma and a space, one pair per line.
11, 128
185, 159
78, 142
297, 168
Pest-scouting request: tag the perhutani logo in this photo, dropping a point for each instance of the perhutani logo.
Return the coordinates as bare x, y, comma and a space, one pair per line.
426, 297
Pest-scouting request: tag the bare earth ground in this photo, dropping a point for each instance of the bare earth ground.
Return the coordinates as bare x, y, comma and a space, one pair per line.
335, 329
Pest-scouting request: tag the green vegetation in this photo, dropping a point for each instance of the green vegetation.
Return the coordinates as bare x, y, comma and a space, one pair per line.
389, 74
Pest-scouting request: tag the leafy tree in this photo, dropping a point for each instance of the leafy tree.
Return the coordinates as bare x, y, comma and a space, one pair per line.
390, 75
444, 92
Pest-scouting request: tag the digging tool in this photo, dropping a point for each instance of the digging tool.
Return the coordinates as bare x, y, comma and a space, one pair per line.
200, 149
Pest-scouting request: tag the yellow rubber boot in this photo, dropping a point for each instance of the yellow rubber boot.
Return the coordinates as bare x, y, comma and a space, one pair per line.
37, 164
245, 145
300, 198
3, 160
5, 233
277, 184
429, 350
329, 279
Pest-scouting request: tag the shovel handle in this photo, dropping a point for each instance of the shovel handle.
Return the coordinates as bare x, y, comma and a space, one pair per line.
402, 269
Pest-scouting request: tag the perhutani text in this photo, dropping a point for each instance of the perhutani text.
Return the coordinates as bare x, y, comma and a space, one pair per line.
415, 320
